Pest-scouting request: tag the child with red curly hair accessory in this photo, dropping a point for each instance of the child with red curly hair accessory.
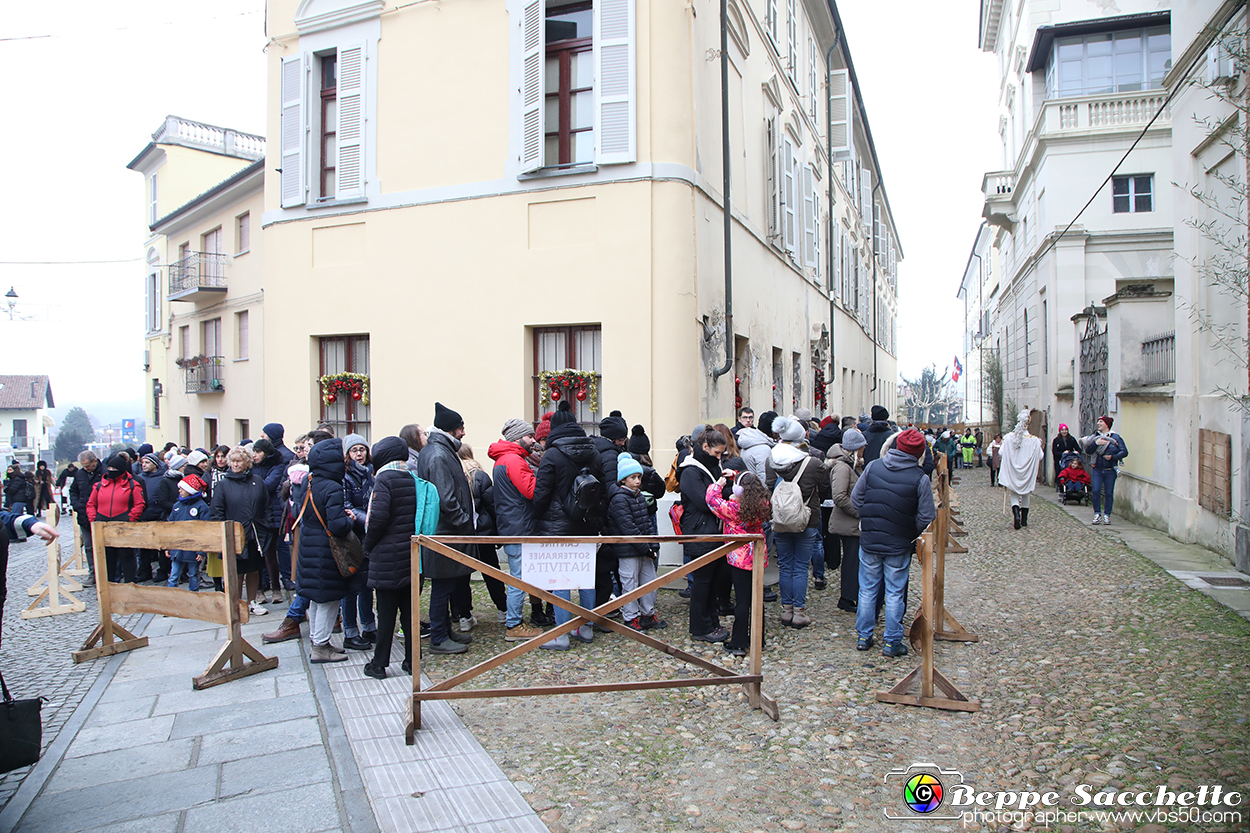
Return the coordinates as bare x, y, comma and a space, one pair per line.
744, 514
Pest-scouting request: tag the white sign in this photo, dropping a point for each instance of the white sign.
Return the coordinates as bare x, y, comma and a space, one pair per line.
559, 566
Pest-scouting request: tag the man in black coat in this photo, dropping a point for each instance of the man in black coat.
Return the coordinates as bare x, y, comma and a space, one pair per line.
89, 473
440, 465
876, 433
569, 452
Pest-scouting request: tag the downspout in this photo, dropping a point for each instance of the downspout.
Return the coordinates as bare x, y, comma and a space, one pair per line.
873, 236
833, 306
981, 340
724, 135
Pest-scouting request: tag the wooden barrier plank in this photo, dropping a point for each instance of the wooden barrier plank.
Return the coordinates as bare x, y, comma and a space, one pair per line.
589, 688
185, 535
205, 606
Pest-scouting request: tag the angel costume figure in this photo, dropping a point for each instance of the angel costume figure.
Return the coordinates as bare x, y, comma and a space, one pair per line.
1021, 454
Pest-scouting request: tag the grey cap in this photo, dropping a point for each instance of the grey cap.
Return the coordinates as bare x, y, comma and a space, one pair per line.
353, 440
853, 439
516, 429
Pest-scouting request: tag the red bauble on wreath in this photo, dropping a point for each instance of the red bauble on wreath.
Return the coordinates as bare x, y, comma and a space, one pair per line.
581, 394
331, 398
555, 394
356, 395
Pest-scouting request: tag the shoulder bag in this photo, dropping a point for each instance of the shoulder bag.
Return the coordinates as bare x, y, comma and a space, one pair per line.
349, 553
21, 731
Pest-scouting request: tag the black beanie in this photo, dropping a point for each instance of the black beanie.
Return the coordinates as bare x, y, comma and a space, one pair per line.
614, 428
445, 419
879, 414
639, 443
765, 422
563, 414
119, 462
146, 448
265, 446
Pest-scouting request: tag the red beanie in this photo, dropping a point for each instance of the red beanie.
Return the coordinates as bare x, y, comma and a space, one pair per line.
544, 427
824, 422
912, 442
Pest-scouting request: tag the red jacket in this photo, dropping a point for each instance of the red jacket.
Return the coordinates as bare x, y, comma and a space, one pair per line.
116, 499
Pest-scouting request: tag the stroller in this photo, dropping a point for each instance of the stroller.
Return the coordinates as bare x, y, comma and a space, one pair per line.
1074, 480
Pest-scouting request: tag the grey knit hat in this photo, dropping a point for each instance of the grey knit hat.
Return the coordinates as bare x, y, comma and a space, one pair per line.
853, 440
516, 429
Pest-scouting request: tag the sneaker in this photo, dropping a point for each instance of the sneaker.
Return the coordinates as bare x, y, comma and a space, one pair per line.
864, 644
584, 634
521, 633
894, 649
448, 646
652, 622
735, 652
684, 592
820, 583
1097, 519
718, 635
634, 624
467, 623
560, 643
377, 672
425, 630
256, 609
1106, 520
462, 638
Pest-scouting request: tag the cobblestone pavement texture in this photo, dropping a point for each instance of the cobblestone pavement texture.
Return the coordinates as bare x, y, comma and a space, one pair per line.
35, 653
1094, 667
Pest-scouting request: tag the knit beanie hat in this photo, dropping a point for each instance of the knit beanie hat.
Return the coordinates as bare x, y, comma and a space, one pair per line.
879, 414
514, 430
563, 415
765, 422
145, 449
614, 428
119, 462
910, 442
853, 440
1107, 420
544, 427
197, 458
274, 431
445, 419
177, 462
625, 466
639, 442
154, 458
789, 430
804, 414
826, 421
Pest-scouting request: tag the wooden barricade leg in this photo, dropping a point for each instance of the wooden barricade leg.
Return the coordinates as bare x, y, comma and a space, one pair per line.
412, 720
942, 542
237, 651
54, 589
755, 696
77, 563
105, 632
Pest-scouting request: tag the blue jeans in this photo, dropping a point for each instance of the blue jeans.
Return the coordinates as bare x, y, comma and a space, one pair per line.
795, 551
177, 568
1103, 480
586, 598
359, 598
516, 596
298, 608
872, 569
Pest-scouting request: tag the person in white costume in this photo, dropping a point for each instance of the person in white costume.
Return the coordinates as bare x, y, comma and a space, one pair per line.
1021, 454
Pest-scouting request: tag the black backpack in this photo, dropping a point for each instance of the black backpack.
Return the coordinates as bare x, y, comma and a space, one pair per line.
585, 498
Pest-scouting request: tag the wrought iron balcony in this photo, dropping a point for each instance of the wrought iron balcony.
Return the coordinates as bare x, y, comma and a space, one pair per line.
199, 276
203, 374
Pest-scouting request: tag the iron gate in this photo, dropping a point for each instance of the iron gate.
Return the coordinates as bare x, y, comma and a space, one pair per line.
1093, 402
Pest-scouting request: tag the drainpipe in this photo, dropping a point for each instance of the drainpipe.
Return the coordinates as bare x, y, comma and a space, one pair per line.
981, 340
833, 306
724, 135
873, 236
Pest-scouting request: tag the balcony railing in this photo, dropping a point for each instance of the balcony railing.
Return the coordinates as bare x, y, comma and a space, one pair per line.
198, 272
21, 442
1158, 356
205, 375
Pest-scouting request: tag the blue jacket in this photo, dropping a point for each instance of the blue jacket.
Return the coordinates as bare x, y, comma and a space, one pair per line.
894, 499
188, 509
1116, 448
318, 575
17, 525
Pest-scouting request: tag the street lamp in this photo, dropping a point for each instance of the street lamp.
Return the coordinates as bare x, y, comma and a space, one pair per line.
11, 295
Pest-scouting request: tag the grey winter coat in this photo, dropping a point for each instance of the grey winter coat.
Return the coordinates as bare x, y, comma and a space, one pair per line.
844, 474
755, 447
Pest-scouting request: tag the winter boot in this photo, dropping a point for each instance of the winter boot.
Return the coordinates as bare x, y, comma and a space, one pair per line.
1024, 517
322, 653
787, 615
1015, 514
289, 629
801, 619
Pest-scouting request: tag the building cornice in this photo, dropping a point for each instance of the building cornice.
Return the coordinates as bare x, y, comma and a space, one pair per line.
320, 15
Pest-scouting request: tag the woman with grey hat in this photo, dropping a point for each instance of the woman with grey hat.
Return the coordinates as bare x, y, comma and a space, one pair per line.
846, 460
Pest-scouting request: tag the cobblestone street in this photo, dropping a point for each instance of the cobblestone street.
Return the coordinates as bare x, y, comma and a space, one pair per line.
1094, 667
35, 655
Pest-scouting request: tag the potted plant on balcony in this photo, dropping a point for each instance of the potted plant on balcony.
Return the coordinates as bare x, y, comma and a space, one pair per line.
192, 362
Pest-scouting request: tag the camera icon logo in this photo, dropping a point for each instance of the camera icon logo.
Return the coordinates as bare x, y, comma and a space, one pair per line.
922, 787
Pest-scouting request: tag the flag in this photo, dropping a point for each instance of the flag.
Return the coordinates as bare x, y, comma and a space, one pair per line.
959, 369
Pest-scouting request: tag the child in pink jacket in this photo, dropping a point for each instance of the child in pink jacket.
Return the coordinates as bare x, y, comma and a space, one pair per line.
744, 514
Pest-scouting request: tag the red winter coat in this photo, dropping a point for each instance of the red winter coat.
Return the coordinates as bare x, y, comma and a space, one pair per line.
116, 499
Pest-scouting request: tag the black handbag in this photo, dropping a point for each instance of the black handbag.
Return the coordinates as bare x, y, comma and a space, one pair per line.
21, 731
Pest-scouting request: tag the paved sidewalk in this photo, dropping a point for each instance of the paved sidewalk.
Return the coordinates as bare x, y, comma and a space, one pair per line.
321, 744
1197, 567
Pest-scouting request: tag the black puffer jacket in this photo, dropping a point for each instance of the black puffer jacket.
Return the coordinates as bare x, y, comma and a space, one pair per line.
876, 435
357, 487
483, 501
569, 450
608, 452
318, 575
439, 465
627, 515
242, 497
392, 520
160, 493
698, 471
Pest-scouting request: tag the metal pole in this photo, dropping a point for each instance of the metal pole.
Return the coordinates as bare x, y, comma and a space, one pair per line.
724, 133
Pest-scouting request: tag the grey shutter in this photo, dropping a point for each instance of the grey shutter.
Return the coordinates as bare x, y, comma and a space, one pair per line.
774, 181
533, 46
616, 125
809, 218
350, 168
841, 112
788, 196
293, 127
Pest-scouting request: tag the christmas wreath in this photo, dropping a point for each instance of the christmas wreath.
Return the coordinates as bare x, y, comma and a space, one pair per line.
354, 385
822, 399
581, 384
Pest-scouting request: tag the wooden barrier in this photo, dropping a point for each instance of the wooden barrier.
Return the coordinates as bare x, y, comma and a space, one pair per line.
55, 585
77, 563
946, 626
721, 676
926, 676
220, 608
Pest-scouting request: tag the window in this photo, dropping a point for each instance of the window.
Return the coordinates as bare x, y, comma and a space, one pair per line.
210, 337
572, 348
1109, 62
156, 403
774, 177
788, 194
569, 91
1215, 481
210, 433
241, 335
184, 342
213, 262
243, 233
327, 72
1045, 341
184, 432
1132, 194
1026, 343
152, 293
813, 85
770, 21
576, 96
242, 430
792, 41
345, 354
152, 215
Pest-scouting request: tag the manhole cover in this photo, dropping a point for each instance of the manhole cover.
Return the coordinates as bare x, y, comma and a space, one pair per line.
1225, 581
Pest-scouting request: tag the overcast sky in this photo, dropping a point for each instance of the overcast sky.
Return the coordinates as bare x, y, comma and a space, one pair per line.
94, 80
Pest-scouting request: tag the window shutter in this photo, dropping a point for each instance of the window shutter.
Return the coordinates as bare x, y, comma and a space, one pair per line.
792, 47
774, 181
788, 196
293, 127
809, 219
772, 21
350, 169
533, 44
817, 264
615, 129
841, 113
835, 278
865, 200
812, 83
